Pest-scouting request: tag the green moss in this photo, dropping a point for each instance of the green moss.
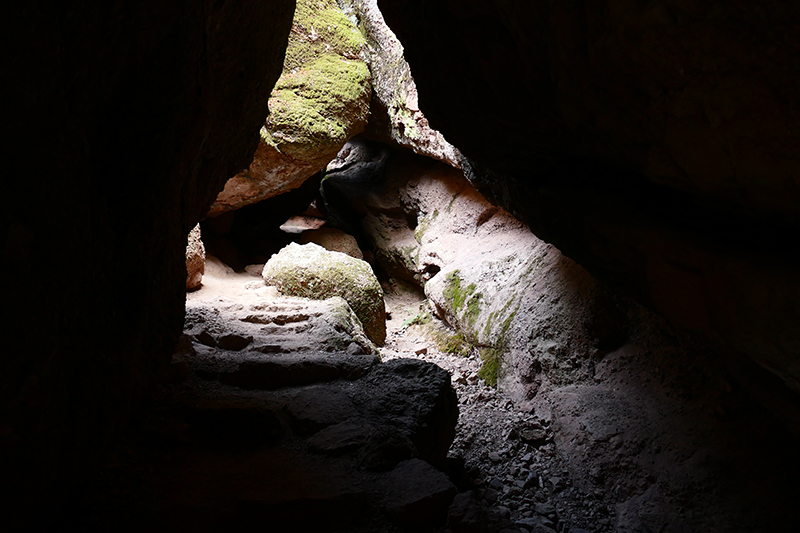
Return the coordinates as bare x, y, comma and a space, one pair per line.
455, 294
454, 344
491, 359
309, 107
452, 200
417, 320
323, 94
319, 28
422, 225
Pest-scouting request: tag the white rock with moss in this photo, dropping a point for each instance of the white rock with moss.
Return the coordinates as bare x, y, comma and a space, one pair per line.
311, 271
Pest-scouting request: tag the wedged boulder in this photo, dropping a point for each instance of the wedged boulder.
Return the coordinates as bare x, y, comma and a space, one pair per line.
320, 101
195, 260
310, 271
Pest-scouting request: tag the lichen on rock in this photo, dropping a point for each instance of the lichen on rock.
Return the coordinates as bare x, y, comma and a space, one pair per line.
310, 271
320, 101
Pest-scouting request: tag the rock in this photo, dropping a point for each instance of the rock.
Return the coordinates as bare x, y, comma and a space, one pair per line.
385, 448
531, 481
529, 308
428, 416
316, 407
466, 515
395, 93
416, 494
627, 195
320, 101
234, 342
534, 524
558, 483
310, 271
358, 170
300, 224
156, 106
195, 260
333, 240
533, 436
545, 509
272, 322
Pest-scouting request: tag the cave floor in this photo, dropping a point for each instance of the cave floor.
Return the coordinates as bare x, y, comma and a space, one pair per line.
584, 465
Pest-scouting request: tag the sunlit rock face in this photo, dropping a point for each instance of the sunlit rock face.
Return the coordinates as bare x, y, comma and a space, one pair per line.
396, 117
655, 144
144, 110
320, 101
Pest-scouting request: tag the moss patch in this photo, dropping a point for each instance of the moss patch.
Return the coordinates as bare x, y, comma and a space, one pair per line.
417, 320
491, 359
322, 97
455, 293
423, 224
310, 271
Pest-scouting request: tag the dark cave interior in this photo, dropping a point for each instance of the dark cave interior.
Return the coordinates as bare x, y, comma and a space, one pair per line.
656, 145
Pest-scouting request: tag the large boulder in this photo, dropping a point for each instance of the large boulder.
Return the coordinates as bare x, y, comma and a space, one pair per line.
320, 101
311, 271
534, 314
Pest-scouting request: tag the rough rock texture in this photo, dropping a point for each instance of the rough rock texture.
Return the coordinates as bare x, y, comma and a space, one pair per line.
646, 141
531, 311
268, 340
195, 259
311, 271
620, 422
321, 100
292, 454
145, 109
334, 240
394, 103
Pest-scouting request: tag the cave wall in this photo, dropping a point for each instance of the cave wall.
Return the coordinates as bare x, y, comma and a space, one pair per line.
123, 122
655, 143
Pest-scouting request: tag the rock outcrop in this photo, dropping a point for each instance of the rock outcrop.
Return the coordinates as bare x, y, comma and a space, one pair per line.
533, 313
647, 142
157, 105
396, 113
646, 418
311, 271
320, 101
195, 259
289, 427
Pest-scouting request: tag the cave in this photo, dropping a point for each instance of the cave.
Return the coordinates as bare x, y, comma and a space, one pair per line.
636, 162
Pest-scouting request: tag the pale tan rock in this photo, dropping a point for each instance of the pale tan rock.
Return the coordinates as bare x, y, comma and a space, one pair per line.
195, 260
395, 89
334, 240
311, 271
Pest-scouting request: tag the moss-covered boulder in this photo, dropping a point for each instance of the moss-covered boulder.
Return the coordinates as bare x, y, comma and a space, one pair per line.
313, 272
320, 101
